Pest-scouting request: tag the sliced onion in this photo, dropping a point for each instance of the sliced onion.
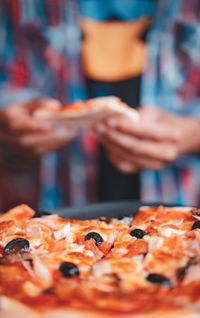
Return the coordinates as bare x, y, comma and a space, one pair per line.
41, 272
62, 233
193, 275
154, 242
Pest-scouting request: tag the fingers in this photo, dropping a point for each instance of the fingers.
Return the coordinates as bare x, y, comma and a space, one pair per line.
145, 129
140, 162
18, 117
60, 134
15, 119
43, 102
22, 132
149, 144
22, 123
142, 148
40, 143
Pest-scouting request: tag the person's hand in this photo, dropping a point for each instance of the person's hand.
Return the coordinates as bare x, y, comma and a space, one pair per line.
26, 136
158, 138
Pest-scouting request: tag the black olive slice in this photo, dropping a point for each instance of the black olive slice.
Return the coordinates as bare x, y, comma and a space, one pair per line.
138, 233
96, 236
158, 279
196, 225
17, 245
69, 269
40, 214
196, 213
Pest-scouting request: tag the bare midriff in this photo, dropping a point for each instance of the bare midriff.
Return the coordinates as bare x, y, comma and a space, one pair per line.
113, 51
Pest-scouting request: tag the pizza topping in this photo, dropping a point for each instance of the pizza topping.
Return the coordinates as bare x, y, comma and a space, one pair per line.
106, 247
196, 214
48, 291
158, 279
192, 274
154, 242
33, 230
196, 225
101, 268
31, 289
184, 270
191, 248
91, 249
174, 222
96, 236
50, 220
125, 218
138, 233
107, 220
11, 258
42, 272
69, 269
17, 245
5, 225
138, 247
168, 231
62, 233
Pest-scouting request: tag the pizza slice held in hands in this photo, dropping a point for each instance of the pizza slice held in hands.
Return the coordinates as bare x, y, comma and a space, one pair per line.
86, 114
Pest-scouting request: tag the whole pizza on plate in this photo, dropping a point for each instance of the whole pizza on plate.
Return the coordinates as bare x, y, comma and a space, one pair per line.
142, 266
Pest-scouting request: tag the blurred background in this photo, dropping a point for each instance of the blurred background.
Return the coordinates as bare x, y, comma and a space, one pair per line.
144, 51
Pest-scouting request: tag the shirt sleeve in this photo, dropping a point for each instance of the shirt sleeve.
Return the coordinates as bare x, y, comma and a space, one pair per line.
171, 78
22, 95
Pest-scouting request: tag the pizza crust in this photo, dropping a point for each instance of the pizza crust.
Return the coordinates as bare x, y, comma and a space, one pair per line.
175, 208
10, 308
86, 116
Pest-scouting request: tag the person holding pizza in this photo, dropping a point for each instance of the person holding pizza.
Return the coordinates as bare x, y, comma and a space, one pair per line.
113, 56
40, 67
164, 145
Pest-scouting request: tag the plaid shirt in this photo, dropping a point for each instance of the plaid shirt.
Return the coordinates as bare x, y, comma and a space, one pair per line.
40, 55
172, 81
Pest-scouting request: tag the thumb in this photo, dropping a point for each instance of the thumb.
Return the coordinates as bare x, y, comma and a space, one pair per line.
43, 102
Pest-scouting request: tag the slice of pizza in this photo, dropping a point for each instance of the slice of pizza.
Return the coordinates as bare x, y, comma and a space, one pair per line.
86, 114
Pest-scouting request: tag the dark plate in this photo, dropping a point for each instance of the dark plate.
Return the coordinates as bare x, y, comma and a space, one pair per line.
108, 209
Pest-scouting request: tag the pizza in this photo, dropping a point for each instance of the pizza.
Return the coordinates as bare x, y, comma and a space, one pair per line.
85, 114
147, 265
